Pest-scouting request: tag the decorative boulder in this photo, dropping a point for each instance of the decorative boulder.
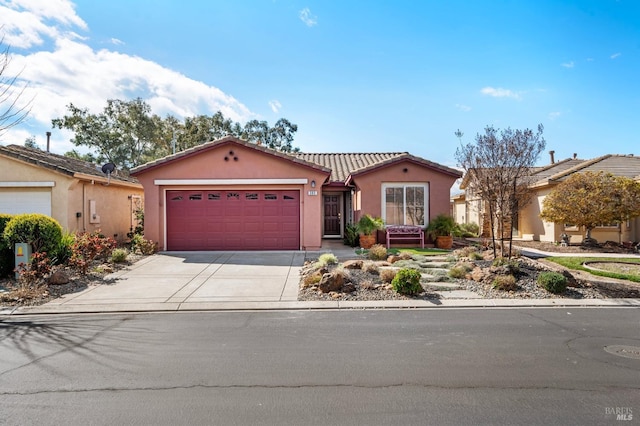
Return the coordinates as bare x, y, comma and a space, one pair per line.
353, 264
58, 278
331, 282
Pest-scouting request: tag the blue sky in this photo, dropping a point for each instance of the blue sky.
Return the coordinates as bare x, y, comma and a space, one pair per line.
355, 76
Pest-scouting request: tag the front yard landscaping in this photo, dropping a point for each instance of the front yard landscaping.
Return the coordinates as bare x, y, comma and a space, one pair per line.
465, 273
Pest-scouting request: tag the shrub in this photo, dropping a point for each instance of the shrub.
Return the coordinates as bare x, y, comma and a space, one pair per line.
87, 247
6, 252
553, 282
64, 251
504, 282
40, 231
510, 266
370, 268
407, 281
327, 259
475, 256
143, 246
35, 271
312, 279
351, 235
459, 271
119, 255
378, 252
466, 230
387, 275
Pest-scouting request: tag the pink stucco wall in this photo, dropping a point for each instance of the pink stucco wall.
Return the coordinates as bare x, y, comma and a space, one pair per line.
242, 163
369, 187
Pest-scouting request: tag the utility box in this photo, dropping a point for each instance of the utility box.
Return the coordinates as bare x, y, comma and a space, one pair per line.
23, 256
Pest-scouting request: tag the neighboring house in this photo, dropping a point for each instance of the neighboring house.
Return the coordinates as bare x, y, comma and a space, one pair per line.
528, 225
233, 195
75, 193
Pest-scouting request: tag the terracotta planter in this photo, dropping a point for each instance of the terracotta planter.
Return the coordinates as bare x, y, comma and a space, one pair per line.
444, 242
366, 241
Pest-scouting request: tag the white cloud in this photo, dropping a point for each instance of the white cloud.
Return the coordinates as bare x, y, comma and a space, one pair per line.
116, 41
71, 71
275, 105
498, 92
568, 64
306, 17
464, 108
615, 55
554, 115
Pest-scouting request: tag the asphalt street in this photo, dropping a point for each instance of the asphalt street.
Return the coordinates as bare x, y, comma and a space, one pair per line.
450, 366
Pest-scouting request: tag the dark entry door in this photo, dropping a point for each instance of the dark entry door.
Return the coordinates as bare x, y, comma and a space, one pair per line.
331, 215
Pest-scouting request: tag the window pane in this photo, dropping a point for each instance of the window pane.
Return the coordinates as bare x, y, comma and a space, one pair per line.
394, 208
415, 206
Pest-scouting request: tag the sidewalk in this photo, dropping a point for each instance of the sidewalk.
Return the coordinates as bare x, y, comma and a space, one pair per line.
241, 281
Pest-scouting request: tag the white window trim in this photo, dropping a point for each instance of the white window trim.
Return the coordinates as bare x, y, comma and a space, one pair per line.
385, 185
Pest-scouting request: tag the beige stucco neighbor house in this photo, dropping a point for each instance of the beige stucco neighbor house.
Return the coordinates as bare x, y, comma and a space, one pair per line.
75, 193
229, 194
468, 207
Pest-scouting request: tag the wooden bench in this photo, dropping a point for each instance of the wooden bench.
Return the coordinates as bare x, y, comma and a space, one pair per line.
404, 232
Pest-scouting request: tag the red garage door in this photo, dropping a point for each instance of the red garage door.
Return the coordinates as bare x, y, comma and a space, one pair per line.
233, 220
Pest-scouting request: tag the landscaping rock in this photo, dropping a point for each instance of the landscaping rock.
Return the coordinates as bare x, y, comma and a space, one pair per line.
393, 258
331, 282
352, 264
58, 278
348, 288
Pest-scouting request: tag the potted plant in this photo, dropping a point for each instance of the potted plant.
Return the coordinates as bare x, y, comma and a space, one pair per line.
367, 226
440, 229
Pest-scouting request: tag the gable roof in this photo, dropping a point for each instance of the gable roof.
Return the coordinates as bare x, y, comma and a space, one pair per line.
344, 164
59, 163
617, 165
227, 139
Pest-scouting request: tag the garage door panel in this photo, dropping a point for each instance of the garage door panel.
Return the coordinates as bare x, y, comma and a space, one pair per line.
233, 220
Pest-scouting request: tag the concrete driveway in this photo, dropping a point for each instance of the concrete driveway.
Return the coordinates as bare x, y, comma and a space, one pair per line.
168, 281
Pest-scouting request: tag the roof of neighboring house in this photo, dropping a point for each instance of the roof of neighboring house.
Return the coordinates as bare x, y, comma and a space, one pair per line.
61, 164
542, 175
617, 165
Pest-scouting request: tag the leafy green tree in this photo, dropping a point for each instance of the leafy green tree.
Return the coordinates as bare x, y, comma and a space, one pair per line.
499, 166
122, 134
591, 199
88, 157
128, 134
30, 142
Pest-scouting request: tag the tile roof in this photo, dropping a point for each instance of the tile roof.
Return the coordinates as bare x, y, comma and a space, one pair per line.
541, 174
344, 164
226, 139
60, 163
617, 165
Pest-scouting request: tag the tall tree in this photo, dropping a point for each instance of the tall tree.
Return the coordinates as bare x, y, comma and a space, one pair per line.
12, 110
499, 166
123, 133
591, 199
30, 142
278, 137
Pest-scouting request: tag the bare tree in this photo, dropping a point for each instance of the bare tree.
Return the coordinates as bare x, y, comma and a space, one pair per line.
12, 112
499, 167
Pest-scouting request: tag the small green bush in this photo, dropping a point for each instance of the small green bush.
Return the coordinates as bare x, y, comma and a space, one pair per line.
143, 246
119, 255
378, 252
504, 282
475, 256
351, 235
327, 259
42, 232
6, 252
459, 271
466, 230
553, 282
64, 251
407, 281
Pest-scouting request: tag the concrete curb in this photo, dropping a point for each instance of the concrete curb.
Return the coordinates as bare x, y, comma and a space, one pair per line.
319, 305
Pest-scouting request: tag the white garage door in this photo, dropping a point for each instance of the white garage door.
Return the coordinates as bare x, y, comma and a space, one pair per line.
26, 200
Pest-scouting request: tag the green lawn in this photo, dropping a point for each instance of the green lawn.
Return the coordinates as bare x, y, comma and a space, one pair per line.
576, 264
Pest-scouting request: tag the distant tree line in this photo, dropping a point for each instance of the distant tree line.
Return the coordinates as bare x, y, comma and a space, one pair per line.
128, 134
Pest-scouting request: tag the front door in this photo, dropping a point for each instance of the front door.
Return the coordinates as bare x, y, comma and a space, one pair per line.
331, 215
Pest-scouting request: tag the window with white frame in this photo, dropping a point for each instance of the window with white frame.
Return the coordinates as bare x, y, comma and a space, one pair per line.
404, 203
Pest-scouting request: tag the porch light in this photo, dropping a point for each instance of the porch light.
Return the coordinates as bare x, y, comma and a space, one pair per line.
313, 183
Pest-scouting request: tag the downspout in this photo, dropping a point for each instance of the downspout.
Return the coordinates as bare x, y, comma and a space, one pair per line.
84, 216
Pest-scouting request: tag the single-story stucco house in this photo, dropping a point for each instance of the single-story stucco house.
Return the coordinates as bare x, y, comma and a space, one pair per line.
230, 194
77, 194
468, 207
